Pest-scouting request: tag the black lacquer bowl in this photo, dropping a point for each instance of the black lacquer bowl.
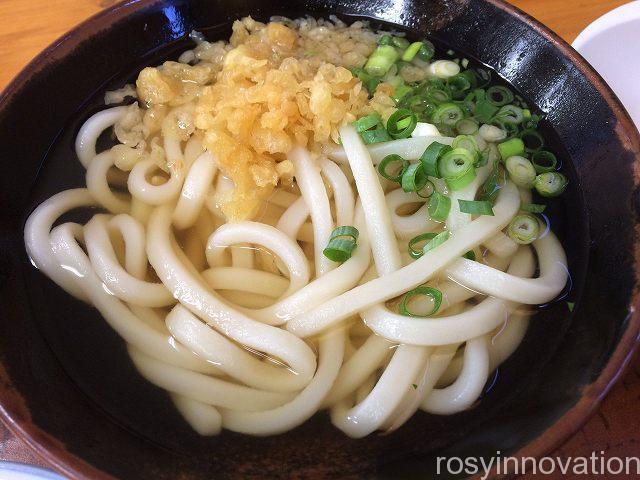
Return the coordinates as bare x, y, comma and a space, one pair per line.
66, 385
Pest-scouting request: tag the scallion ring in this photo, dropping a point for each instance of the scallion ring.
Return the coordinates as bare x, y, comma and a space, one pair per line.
416, 241
439, 207
414, 178
456, 167
401, 123
411, 51
342, 243
524, 229
544, 161
550, 184
499, 95
467, 142
375, 136
533, 207
511, 148
510, 114
433, 293
427, 51
476, 207
436, 241
467, 126
390, 162
430, 157
532, 140
448, 114
368, 122
521, 171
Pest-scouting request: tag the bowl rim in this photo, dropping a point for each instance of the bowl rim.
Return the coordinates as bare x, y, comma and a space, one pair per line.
15, 415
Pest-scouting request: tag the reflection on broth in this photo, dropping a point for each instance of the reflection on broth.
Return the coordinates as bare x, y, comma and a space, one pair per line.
311, 216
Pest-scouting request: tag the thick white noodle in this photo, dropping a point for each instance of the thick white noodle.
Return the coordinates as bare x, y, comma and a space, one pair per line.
409, 226
391, 285
468, 386
408, 148
233, 360
117, 315
194, 190
193, 294
91, 130
246, 280
473, 322
342, 192
203, 418
268, 237
307, 173
553, 275
98, 185
128, 285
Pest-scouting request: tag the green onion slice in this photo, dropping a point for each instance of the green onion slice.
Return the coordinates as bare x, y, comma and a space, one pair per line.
550, 184
427, 51
532, 140
524, 229
367, 123
467, 142
427, 190
476, 207
470, 255
439, 207
448, 114
401, 123
511, 148
438, 240
424, 237
467, 126
433, 293
521, 171
342, 243
533, 207
391, 162
381, 60
414, 178
456, 167
510, 114
375, 136
430, 157
499, 95
544, 161
411, 51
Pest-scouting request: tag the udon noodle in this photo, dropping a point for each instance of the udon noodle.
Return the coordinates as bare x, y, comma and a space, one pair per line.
207, 252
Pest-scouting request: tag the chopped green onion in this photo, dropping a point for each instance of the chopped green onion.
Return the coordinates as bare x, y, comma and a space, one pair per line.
401, 123
438, 240
448, 114
544, 161
417, 253
532, 140
342, 243
384, 40
467, 126
415, 386
526, 114
470, 255
393, 159
411, 51
524, 229
437, 95
511, 148
400, 92
550, 184
375, 136
521, 171
571, 306
427, 51
399, 42
467, 142
433, 293
459, 84
491, 133
499, 95
381, 60
510, 114
533, 207
476, 207
367, 80
439, 207
456, 167
366, 123
494, 182
414, 178
430, 157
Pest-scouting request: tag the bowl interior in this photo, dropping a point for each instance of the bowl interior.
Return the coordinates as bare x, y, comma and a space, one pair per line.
74, 377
